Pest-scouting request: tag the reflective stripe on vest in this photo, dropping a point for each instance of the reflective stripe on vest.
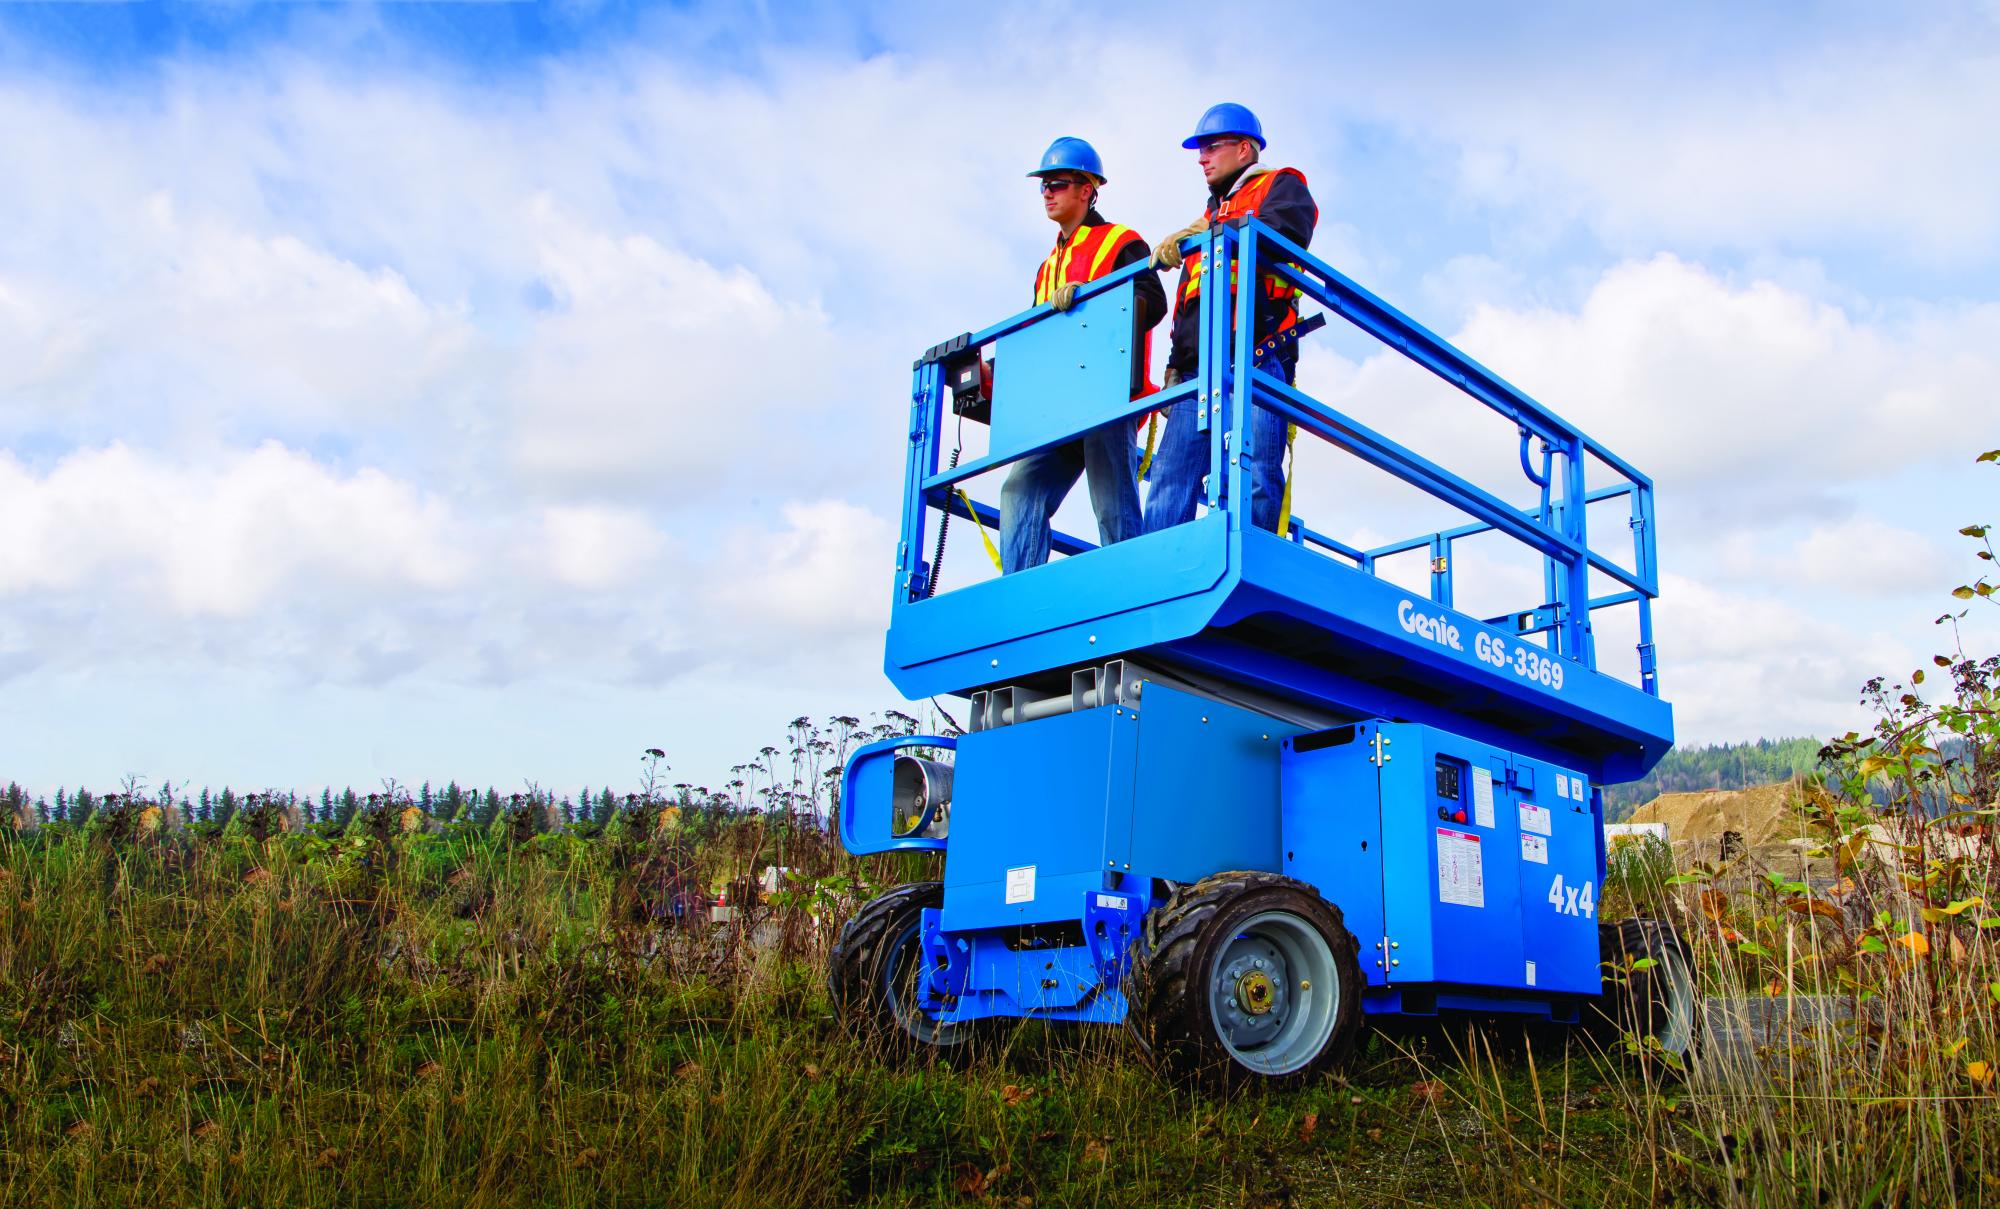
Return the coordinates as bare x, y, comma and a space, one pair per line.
1247, 200
1087, 255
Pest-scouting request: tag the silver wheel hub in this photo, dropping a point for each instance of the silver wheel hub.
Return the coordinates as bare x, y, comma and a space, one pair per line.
1274, 994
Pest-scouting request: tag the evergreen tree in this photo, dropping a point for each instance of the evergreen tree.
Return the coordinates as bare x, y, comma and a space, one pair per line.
454, 801
225, 806
325, 805
61, 814
81, 807
489, 809
424, 798
206, 812
350, 805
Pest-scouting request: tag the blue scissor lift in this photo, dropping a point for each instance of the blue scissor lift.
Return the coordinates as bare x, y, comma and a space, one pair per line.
1232, 787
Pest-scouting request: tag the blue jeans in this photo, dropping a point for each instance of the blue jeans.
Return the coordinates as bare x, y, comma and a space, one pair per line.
1181, 462
1037, 484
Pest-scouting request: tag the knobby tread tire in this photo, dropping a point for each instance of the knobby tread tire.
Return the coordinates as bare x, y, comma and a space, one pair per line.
1639, 1004
860, 958
1167, 1007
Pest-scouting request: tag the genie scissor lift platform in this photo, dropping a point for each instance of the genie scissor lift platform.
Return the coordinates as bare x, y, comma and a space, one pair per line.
1231, 787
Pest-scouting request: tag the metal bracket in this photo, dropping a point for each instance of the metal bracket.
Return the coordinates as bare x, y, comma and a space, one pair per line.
946, 967
1111, 930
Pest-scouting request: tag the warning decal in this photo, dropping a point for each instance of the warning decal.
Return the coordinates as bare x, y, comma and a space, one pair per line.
1534, 848
1535, 819
1482, 797
1460, 878
1021, 884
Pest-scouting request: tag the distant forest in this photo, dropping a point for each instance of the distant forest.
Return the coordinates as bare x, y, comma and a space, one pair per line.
1725, 766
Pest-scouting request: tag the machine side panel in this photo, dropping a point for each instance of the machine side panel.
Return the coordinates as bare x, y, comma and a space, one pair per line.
1207, 794
1452, 897
1333, 834
1558, 840
1027, 820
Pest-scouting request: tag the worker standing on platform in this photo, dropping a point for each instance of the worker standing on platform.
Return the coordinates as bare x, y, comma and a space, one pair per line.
1229, 140
1087, 248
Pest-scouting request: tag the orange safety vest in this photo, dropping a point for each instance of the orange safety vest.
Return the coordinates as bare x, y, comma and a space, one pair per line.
1090, 253
1245, 201
1086, 256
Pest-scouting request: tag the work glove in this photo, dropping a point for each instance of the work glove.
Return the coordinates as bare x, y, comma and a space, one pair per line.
1065, 296
1168, 254
1171, 378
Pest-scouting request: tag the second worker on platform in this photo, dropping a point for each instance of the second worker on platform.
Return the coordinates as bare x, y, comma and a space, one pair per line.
1229, 140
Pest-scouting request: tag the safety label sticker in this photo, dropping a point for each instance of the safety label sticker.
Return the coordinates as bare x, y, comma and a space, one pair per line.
1562, 785
1460, 878
1482, 797
1534, 848
1531, 973
1113, 901
1535, 819
1021, 884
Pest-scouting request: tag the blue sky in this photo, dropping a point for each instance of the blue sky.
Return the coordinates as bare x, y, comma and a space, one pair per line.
493, 391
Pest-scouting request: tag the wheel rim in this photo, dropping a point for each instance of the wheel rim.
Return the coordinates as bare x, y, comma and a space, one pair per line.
1275, 993
902, 978
1677, 1009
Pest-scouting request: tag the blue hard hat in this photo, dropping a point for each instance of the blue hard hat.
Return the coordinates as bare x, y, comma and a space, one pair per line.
1226, 118
1069, 154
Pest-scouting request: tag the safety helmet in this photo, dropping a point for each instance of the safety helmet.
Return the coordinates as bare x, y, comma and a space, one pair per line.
1069, 154
1226, 118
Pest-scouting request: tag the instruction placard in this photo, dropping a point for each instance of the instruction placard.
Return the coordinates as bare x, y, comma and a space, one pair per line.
1021, 884
1482, 797
1461, 880
1534, 848
1535, 819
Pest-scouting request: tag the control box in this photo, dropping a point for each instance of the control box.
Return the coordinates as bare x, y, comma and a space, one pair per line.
1455, 863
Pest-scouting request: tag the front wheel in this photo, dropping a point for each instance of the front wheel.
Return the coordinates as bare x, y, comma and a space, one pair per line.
875, 973
1247, 977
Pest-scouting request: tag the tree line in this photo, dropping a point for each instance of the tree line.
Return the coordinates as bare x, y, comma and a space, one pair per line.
1719, 766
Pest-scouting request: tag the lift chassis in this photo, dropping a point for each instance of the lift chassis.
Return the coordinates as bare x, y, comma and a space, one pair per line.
1236, 789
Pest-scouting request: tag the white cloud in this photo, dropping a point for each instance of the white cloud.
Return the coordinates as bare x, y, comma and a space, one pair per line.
219, 540
652, 366
597, 547
1674, 127
827, 574
1747, 664
1723, 392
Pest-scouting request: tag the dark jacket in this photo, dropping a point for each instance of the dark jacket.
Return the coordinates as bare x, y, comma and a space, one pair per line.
1288, 210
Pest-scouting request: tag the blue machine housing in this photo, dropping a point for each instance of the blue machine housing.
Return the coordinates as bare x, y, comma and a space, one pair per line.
1213, 697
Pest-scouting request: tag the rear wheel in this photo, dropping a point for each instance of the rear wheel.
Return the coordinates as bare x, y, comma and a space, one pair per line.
875, 973
1247, 977
1657, 1000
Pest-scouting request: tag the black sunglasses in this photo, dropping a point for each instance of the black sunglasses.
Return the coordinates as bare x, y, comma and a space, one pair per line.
1052, 184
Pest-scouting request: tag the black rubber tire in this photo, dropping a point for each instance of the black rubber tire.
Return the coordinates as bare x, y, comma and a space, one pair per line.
872, 972
1640, 1003
1170, 1010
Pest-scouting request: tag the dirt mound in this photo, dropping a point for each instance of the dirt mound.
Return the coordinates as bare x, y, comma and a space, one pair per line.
1760, 816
